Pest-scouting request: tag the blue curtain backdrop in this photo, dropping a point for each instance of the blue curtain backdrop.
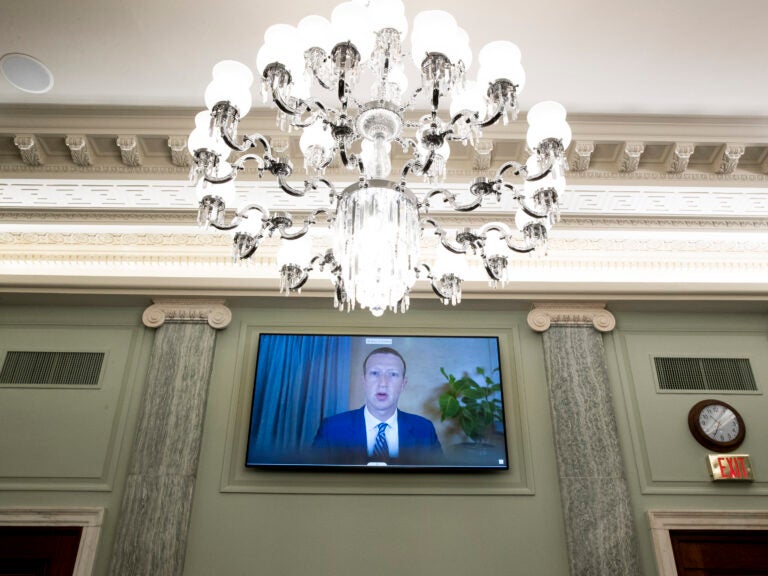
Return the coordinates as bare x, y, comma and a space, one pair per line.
300, 379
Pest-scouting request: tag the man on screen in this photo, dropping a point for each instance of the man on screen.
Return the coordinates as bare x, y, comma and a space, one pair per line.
379, 433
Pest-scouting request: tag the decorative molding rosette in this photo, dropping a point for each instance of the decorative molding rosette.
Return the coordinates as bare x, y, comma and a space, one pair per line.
164, 310
545, 314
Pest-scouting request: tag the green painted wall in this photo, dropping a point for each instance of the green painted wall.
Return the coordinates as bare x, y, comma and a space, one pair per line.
65, 447
69, 445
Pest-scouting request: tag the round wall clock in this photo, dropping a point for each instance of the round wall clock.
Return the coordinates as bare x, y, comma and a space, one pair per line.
716, 425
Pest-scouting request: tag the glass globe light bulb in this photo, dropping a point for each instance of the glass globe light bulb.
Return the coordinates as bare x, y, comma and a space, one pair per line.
540, 132
201, 139
315, 31
266, 55
237, 95
513, 71
449, 263
471, 98
203, 119
233, 72
495, 245
297, 251
316, 135
281, 36
388, 14
498, 52
546, 112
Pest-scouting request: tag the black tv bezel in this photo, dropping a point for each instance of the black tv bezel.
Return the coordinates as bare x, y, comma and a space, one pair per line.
365, 469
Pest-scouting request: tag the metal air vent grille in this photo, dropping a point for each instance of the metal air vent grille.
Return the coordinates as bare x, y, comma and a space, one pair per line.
705, 374
78, 368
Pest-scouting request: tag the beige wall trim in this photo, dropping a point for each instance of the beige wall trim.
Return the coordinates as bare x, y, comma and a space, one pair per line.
215, 312
90, 519
662, 521
544, 314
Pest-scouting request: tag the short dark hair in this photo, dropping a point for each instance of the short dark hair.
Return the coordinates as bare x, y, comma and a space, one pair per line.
384, 350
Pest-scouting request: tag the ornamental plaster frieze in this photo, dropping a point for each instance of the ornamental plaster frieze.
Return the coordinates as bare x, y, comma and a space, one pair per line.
592, 268
188, 219
454, 175
616, 252
679, 178
114, 239
604, 199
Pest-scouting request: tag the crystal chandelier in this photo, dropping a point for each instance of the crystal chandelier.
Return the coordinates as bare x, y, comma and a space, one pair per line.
355, 63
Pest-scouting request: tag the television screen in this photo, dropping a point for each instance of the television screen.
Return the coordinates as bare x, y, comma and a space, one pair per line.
377, 402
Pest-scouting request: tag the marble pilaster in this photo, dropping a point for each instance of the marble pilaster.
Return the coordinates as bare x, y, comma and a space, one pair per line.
152, 528
593, 489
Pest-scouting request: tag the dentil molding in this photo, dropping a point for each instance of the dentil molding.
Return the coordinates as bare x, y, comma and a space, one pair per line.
544, 314
165, 310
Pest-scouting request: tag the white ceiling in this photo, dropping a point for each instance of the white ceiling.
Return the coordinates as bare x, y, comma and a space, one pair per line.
651, 57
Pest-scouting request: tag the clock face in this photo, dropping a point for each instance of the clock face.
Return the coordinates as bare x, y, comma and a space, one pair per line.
719, 423
716, 425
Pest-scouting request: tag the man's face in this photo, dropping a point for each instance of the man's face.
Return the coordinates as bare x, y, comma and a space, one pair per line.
383, 380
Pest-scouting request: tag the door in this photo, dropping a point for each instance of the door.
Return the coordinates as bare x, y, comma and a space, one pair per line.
720, 552
38, 550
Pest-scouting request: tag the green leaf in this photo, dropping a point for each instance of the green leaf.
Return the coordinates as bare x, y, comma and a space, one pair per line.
449, 406
476, 393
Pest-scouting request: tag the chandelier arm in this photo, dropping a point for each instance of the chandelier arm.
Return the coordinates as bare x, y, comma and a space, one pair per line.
448, 197
411, 164
435, 100
308, 221
443, 234
239, 164
240, 215
311, 105
329, 185
470, 117
288, 189
545, 170
473, 119
406, 143
249, 141
411, 100
519, 169
320, 81
506, 234
428, 163
351, 160
222, 179
531, 211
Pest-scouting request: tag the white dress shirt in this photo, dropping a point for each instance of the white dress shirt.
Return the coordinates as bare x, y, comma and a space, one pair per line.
372, 430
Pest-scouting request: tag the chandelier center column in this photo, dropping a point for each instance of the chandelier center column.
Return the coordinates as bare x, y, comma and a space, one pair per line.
598, 517
152, 528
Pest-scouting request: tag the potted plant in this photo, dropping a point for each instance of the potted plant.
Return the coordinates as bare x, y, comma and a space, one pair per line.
475, 404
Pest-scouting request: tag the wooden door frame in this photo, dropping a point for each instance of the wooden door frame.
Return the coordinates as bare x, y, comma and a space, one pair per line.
662, 521
89, 519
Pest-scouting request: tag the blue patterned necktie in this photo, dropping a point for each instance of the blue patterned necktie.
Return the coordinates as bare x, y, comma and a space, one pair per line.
380, 448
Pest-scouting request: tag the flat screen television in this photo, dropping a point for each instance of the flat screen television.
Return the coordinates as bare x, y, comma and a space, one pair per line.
319, 401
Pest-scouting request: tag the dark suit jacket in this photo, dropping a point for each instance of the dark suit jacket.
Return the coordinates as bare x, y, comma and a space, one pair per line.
341, 439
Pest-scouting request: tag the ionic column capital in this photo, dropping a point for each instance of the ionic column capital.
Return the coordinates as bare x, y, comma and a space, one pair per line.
214, 312
594, 314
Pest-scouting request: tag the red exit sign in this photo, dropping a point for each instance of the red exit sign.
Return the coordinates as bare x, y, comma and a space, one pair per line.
730, 467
